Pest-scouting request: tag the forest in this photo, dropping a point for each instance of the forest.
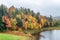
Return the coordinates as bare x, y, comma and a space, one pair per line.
23, 18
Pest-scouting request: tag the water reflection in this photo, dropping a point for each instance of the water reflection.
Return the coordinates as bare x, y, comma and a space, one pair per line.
50, 35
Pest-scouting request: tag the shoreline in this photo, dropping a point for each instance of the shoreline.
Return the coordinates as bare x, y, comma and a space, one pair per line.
33, 35
37, 35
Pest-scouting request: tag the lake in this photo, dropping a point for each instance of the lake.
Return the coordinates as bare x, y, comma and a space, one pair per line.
50, 35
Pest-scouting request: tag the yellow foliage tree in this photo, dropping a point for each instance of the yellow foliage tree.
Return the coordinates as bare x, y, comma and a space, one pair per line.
13, 23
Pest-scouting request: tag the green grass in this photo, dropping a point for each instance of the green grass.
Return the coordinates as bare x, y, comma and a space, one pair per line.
15, 37
12, 37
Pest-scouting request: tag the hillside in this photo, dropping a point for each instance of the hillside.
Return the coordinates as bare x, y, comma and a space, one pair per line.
57, 18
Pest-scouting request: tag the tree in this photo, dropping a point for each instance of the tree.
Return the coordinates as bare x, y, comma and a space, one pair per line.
33, 14
26, 12
2, 25
1, 10
19, 22
13, 23
51, 21
7, 22
38, 17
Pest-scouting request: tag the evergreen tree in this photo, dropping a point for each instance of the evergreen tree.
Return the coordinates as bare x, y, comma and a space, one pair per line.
2, 24
38, 17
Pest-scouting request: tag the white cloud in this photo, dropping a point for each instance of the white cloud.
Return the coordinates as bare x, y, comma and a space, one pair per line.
56, 1
46, 7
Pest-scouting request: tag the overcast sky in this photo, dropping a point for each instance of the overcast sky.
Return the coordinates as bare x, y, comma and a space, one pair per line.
45, 7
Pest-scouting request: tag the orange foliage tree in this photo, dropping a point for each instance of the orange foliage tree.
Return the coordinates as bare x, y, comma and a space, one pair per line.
7, 21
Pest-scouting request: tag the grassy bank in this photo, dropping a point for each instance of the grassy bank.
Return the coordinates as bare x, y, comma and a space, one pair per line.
42, 29
35, 34
12, 37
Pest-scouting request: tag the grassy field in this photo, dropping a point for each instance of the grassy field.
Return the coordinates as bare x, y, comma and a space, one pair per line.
4, 36
12, 37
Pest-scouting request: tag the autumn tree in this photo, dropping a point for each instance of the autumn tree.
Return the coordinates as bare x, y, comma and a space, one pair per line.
23, 17
13, 23
7, 22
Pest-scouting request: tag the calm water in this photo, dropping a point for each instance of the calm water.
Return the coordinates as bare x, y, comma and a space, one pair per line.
50, 35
